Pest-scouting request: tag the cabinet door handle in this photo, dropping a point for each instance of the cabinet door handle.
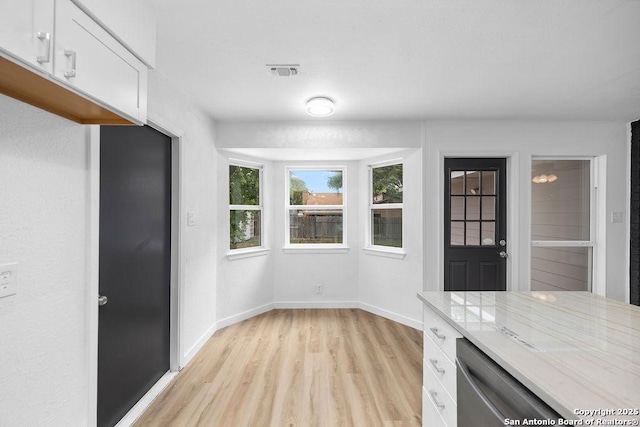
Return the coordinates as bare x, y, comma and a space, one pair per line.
72, 72
46, 38
434, 397
438, 369
437, 334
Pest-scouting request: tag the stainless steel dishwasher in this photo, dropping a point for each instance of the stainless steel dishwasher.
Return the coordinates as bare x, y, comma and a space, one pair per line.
489, 396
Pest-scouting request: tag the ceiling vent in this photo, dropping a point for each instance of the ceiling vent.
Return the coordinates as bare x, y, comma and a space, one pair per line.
284, 70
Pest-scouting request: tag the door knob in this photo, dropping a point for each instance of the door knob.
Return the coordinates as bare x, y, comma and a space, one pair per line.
102, 300
503, 254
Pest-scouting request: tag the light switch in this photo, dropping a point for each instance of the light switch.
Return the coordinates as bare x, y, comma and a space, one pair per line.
191, 219
617, 217
8, 279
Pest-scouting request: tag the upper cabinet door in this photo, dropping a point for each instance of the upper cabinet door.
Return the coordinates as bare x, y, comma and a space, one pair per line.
132, 22
26, 31
92, 62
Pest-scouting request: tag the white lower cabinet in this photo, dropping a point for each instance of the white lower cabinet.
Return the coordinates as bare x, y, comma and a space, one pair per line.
439, 390
441, 366
444, 403
430, 415
91, 61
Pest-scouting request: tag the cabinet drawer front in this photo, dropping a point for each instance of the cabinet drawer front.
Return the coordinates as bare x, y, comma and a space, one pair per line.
440, 366
430, 415
438, 396
443, 334
90, 60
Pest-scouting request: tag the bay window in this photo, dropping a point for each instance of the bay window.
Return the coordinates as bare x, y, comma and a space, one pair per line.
315, 207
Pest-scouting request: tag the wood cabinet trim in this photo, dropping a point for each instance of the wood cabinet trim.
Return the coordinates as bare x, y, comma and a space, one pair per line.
20, 83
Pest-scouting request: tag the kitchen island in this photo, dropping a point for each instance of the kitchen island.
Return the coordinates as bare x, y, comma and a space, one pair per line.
576, 351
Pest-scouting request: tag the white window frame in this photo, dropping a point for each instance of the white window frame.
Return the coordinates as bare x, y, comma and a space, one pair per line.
315, 247
593, 285
253, 250
370, 247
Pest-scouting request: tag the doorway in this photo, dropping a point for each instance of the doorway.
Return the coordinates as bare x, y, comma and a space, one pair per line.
475, 224
135, 261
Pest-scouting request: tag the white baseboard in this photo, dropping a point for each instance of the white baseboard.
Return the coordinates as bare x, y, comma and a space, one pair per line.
142, 405
197, 346
412, 323
228, 321
316, 304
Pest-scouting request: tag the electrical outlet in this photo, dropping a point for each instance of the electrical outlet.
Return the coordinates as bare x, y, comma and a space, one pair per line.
8, 279
319, 288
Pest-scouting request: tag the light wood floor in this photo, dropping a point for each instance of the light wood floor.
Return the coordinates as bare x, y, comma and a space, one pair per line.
335, 367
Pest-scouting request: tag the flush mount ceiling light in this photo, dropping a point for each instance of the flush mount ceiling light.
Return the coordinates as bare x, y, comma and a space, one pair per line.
320, 107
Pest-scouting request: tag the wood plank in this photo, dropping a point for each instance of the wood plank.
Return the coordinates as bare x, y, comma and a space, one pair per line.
334, 367
34, 89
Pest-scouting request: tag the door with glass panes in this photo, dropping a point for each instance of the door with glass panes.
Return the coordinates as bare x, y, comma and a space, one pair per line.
475, 224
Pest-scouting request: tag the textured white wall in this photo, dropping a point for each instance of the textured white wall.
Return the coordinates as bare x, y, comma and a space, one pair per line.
319, 135
174, 111
43, 177
245, 286
387, 285
523, 140
297, 273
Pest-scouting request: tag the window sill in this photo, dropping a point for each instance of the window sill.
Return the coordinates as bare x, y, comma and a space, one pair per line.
314, 250
247, 253
387, 253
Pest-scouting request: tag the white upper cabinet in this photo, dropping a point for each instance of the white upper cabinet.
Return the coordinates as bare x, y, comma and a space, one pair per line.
94, 63
26, 31
133, 23
67, 59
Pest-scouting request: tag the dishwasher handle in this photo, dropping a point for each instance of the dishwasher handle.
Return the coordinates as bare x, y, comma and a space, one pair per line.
468, 378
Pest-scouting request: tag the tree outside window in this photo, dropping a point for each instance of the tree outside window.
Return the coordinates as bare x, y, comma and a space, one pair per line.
316, 206
245, 207
385, 205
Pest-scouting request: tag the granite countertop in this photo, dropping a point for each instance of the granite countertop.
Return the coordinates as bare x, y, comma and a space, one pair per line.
577, 351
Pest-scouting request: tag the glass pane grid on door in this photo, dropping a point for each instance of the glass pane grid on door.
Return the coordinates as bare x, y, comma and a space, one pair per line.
472, 208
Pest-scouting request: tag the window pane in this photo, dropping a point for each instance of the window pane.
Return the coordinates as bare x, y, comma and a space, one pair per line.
315, 187
488, 182
473, 207
315, 226
244, 186
244, 229
488, 233
387, 184
561, 269
473, 182
488, 208
457, 207
456, 184
386, 227
560, 200
457, 233
473, 234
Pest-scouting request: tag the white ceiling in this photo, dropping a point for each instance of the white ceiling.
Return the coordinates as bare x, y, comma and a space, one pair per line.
406, 59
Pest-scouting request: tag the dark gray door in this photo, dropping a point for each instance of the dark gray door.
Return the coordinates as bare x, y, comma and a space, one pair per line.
475, 224
135, 266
